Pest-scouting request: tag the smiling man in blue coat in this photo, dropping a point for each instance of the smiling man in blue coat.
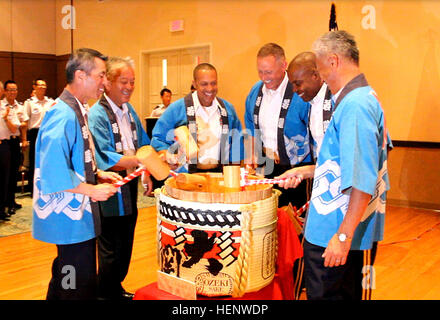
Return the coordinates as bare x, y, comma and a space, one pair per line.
277, 119
211, 121
117, 133
66, 193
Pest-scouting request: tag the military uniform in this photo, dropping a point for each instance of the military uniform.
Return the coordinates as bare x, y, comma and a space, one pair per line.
35, 110
5, 159
16, 110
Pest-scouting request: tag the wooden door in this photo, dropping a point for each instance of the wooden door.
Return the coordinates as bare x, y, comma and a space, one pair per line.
180, 64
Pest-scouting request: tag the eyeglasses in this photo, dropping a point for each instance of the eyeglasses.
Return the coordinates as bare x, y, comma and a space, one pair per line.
11, 90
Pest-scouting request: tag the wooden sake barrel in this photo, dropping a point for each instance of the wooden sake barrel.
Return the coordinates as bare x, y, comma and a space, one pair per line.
215, 192
225, 243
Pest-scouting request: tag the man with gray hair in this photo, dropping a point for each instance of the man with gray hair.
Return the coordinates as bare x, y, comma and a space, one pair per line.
276, 119
117, 133
347, 207
65, 199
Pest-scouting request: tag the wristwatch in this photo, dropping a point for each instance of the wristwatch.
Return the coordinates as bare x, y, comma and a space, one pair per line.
343, 237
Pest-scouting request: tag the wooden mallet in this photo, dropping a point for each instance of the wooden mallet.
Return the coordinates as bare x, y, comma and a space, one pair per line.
151, 161
186, 142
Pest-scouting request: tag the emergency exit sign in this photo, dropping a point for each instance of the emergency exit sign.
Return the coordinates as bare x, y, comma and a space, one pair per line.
176, 25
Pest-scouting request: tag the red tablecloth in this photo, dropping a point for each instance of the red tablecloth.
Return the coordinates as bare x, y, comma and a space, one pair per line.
281, 288
152, 292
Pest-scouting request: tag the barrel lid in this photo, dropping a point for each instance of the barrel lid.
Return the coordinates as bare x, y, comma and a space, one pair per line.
215, 192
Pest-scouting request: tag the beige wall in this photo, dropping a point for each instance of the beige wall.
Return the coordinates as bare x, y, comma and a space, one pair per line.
27, 26
234, 31
414, 177
400, 56
5, 30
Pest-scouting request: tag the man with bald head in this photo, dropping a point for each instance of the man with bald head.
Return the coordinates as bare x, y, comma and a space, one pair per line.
307, 83
212, 122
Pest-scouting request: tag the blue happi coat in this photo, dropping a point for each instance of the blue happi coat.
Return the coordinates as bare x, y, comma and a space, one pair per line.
176, 115
353, 155
105, 151
296, 135
60, 217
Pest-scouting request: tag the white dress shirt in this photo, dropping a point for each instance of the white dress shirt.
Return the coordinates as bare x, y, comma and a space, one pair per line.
36, 109
208, 131
124, 124
336, 95
17, 110
5, 133
269, 114
316, 120
158, 110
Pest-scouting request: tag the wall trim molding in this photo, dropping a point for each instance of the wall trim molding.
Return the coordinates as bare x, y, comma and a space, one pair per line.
413, 204
416, 144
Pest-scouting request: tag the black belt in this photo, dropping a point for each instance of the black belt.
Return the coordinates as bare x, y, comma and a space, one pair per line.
14, 137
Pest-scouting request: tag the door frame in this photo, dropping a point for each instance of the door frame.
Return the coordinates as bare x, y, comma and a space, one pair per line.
143, 70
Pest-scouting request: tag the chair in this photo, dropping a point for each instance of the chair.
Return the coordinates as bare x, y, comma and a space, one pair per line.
150, 122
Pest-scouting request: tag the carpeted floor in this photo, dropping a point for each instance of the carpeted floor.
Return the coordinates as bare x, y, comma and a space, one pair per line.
22, 220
